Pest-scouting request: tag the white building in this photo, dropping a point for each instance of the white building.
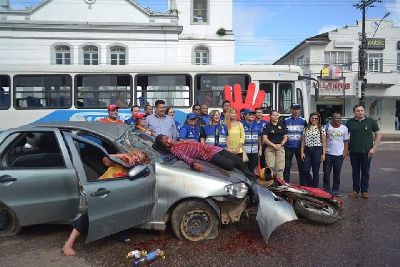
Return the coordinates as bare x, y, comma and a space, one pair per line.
332, 59
117, 32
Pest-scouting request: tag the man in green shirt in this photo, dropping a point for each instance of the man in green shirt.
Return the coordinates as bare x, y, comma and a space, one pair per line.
364, 139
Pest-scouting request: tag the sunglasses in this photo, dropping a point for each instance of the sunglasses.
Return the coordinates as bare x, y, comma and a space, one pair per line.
196, 109
314, 119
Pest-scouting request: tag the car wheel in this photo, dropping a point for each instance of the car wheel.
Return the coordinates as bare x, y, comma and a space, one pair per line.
9, 225
194, 220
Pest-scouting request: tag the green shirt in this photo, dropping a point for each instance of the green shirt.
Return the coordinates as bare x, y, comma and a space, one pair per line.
361, 134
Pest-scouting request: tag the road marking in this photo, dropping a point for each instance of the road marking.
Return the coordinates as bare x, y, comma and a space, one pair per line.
391, 195
389, 169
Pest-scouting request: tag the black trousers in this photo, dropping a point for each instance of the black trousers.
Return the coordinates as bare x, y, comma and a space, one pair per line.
253, 161
82, 223
230, 161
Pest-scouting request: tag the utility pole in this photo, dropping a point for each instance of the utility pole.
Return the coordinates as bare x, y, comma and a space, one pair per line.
362, 49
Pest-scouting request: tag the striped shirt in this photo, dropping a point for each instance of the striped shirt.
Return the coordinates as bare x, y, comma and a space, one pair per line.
189, 150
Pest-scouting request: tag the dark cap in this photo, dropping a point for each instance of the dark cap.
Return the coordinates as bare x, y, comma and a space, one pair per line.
191, 116
112, 107
248, 111
295, 106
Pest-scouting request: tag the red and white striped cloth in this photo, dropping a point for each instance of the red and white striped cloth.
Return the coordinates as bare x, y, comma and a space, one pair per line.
189, 150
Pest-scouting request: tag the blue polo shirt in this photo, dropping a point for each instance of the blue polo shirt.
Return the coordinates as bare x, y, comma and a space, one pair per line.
131, 121
187, 132
251, 133
294, 130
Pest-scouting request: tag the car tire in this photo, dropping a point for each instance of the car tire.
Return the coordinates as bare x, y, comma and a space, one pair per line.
327, 214
9, 225
195, 220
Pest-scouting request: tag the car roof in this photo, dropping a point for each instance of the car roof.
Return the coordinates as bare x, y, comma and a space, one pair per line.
112, 131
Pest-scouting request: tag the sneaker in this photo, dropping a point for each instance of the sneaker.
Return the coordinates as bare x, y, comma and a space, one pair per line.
353, 194
335, 193
365, 195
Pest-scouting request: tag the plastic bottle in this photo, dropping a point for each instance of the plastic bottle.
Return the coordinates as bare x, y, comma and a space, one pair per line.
150, 257
137, 254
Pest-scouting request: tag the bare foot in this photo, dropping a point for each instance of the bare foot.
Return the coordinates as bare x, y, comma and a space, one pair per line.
68, 251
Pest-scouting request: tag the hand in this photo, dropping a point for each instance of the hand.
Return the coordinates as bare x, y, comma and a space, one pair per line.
197, 166
345, 154
236, 94
371, 152
278, 146
323, 157
302, 155
260, 152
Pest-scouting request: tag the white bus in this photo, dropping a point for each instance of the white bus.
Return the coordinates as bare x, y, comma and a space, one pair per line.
46, 93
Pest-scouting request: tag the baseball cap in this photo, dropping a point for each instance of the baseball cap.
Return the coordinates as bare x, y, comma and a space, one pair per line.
112, 107
139, 116
191, 116
248, 111
295, 106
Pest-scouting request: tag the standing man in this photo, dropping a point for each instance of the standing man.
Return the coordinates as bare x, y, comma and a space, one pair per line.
159, 123
197, 111
262, 124
365, 137
225, 106
204, 113
337, 142
294, 126
148, 110
132, 120
112, 115
252, 134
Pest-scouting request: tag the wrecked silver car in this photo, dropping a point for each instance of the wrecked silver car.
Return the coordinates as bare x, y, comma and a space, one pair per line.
49, 174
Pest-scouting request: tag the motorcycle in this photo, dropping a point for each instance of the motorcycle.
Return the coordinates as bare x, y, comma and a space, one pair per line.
311, 203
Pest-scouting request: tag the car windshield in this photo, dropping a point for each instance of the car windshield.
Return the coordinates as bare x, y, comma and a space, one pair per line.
135, 139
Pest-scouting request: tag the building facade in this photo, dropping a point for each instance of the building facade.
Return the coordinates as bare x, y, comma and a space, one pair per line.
118, 32
332, 59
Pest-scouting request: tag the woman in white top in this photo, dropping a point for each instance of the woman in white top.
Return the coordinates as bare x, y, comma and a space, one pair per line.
313, 147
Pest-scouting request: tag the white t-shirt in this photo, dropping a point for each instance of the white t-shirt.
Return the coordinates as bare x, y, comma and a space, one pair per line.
335, 138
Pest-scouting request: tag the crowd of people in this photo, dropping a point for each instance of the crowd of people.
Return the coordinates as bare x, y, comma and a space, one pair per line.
255, 142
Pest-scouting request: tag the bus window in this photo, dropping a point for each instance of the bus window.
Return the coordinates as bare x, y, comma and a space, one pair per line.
210, 87
4, 92
299, 95
284, 97
173, 89
98, 91
42, 91
268, 104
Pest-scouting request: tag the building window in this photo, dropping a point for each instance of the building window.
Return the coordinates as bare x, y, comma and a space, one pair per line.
375, 62
90, 55
63, 55
339, 58
117, 55
398, 61
300, 61
201, 56
200, 11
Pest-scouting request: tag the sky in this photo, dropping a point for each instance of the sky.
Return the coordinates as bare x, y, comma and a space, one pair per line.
265, 30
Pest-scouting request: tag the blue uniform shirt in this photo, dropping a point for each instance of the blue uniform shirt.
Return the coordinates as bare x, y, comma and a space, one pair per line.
187, 133
261, 123
131, 121
251, 133
294, 129
215, 135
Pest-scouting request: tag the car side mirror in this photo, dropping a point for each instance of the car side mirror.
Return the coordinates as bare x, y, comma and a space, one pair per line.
138, 171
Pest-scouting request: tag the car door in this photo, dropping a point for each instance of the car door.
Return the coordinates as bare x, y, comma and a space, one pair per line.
113, 204
37, 179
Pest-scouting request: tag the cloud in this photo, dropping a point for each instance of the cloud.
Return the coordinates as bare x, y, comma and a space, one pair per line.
327, 28
394, 9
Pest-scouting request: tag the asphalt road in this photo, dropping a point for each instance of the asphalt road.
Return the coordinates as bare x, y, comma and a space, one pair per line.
368, 234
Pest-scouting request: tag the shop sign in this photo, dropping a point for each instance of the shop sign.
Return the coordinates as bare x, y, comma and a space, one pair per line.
333, 88
331, 72
376, 43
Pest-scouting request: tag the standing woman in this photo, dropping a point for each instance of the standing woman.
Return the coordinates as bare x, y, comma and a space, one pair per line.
313, 148
171, 112
274, 136
236, 132
214, 133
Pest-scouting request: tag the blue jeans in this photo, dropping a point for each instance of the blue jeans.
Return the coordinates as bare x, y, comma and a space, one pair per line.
336, 163
360, 163
289, 152
312, 160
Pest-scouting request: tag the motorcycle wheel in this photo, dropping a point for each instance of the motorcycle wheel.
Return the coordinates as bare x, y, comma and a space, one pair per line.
327, 214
